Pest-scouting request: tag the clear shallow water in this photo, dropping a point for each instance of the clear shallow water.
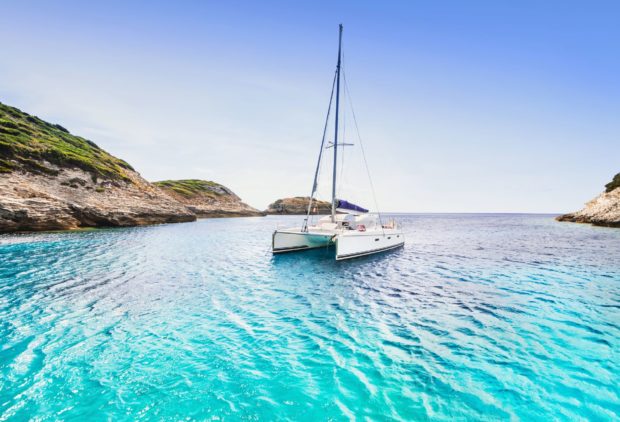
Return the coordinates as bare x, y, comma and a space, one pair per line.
478, 317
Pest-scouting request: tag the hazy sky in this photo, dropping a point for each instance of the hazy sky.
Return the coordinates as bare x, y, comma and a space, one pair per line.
463, 106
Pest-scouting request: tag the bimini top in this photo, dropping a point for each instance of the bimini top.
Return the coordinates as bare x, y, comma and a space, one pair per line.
344, 205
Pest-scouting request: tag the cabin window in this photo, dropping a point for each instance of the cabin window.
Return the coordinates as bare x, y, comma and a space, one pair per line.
377, 239
389, 237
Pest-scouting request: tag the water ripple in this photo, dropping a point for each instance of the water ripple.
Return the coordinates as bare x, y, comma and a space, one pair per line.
478, 317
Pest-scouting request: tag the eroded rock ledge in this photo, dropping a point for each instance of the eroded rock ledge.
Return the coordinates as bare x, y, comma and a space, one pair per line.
71, 199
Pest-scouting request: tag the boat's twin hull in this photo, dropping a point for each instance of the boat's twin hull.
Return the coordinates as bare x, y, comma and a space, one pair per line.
291, 241
352, 246
348, 245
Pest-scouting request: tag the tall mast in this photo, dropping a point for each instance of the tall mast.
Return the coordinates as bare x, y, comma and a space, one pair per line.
336, 126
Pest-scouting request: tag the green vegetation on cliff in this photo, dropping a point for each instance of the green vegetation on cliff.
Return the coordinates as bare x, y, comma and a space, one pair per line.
27, 142
615, 183
194, 187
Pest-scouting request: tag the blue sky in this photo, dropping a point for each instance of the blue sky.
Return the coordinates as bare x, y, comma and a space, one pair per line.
479, 106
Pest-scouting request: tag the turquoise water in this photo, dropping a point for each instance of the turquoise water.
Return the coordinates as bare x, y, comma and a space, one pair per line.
478, 317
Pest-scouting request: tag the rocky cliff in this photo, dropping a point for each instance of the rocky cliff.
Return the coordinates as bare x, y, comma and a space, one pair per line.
207, 199
298, 205
604, 210
53, 180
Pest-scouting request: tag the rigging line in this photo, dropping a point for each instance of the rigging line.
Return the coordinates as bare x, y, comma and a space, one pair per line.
372, 186
318, 164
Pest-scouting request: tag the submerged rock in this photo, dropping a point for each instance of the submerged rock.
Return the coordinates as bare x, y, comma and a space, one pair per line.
604, 210
298, 205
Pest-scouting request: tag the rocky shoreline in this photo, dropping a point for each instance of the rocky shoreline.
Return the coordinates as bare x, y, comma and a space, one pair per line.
71, 200
51, 179
604, 210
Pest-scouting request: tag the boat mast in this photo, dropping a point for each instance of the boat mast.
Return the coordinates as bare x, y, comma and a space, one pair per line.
336, 126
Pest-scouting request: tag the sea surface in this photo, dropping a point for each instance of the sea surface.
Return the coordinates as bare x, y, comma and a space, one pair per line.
478, 317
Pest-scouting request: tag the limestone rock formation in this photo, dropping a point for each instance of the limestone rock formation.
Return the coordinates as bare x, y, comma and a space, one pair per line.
604, 210
72, 199
298, 205
53, 180
207, 199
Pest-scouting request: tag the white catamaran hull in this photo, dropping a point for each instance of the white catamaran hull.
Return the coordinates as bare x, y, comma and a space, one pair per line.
352, 245
349, 244
296, 240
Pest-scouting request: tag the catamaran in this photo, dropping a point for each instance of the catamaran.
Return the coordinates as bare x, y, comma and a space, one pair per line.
352, 229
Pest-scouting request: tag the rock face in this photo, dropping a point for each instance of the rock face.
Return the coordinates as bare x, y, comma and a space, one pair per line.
604, 210
298, 205
53, 180
71, 199
207, 199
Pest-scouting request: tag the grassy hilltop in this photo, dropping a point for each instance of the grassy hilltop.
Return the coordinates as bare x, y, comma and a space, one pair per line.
206, 198
27, 143
53, 180
190, 188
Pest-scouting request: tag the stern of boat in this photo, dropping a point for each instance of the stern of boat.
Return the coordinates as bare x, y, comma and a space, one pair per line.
355, 244
297, 240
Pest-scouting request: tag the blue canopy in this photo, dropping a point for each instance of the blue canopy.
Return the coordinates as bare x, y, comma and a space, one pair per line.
349, 206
